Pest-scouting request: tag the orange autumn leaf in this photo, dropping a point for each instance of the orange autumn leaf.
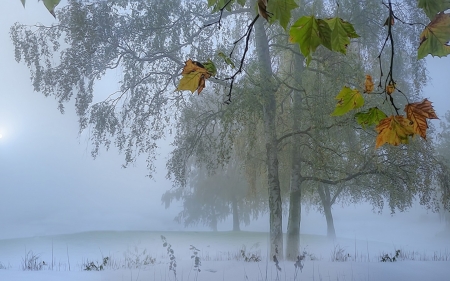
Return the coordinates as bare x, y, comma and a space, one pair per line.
191, 66
390, 88
419, 112
394, 130
368, 84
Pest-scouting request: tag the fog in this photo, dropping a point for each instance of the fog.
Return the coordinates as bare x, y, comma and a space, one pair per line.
51, 185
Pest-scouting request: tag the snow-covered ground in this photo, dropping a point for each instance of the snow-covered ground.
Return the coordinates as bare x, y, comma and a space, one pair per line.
141, 256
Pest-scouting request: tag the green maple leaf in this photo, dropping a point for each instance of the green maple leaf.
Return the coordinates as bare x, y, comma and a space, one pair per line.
351, 33
341, 32
226, 59
309, 33
281, 11
219, 4
210, 67
23, 3
434, 38
50, 5
432, 7
348, 99
371, 117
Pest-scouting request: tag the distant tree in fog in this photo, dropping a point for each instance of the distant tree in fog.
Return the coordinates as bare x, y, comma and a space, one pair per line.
211, 197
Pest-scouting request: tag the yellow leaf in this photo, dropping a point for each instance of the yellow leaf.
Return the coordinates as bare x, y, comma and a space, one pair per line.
192, 81
419, 112
368, 84
394, 130
348, 99
194, 77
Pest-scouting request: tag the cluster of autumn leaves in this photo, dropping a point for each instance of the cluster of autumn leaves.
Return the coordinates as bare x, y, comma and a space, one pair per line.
335, 34
195, 74
396, 129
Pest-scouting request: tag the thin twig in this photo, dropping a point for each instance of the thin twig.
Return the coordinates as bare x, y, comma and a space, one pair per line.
220, 17
247, 42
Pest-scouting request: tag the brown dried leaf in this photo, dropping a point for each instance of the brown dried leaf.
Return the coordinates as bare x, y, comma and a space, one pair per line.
390, 88
190, 66
368, 84
387, 21
262, 9
419, 112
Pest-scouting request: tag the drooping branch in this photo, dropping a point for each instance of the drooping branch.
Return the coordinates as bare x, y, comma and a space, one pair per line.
301, 132
344, 179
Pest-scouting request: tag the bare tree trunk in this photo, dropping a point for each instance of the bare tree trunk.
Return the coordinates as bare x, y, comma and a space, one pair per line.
295, 207
236, 223
331, 232
324, 193
269, 110
293, 230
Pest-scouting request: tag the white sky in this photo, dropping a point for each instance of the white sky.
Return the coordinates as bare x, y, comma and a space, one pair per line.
49, 184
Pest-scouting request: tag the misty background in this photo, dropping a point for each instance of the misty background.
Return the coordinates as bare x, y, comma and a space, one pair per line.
51, 185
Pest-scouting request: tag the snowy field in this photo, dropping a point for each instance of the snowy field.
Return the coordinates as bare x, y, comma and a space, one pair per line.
133, 255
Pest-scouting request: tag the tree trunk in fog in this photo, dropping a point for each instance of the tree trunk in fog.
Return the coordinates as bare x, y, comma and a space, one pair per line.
295, 207
234, 206
214, 221
327, 202
293, 229
447, 218
269, 115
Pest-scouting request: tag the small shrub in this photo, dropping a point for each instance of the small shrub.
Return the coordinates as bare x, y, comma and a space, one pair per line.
299, 262
31, 262
91, 266
171, 253
277, 263
196, 258
441, 256
387, 258
2, 266
339, 254
308, 256
249, 257
138, 259
275, 260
